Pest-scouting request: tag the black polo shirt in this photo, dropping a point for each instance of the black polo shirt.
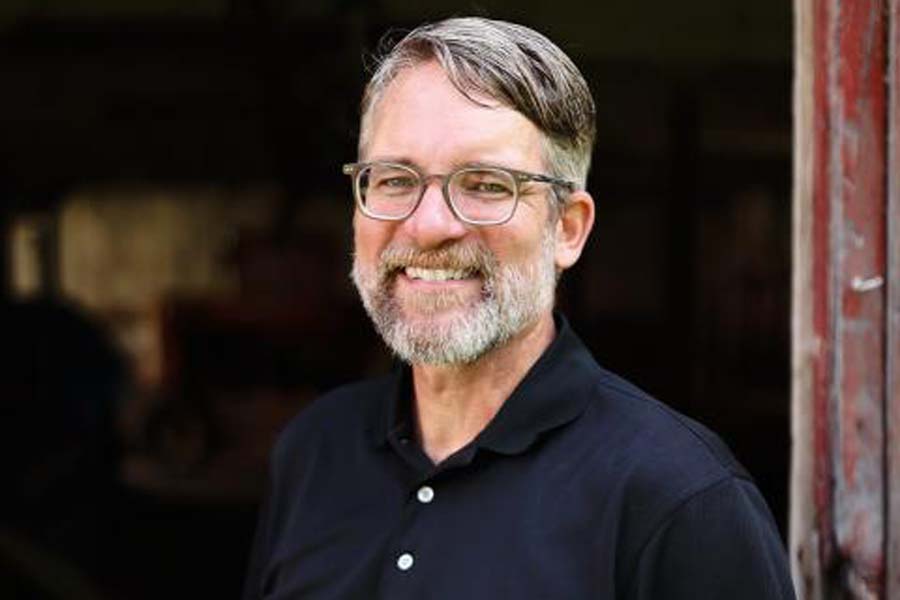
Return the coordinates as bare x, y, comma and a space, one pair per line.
581, 486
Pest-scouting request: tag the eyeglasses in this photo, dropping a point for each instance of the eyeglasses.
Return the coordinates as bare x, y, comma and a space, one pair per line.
476, 195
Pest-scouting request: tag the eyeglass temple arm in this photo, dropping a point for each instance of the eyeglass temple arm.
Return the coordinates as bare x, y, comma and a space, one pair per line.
568, 185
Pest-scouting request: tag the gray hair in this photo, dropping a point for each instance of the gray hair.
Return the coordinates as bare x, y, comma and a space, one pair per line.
509, 63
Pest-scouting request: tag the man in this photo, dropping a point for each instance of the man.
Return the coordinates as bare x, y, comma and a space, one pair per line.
500, 461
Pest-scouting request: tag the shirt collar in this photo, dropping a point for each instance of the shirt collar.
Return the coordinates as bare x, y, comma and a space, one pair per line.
549, 396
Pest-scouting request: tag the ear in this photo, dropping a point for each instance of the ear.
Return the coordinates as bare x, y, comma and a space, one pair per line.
572, 228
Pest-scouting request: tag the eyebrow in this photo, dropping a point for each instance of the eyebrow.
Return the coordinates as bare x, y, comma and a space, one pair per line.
476, 164
393, 159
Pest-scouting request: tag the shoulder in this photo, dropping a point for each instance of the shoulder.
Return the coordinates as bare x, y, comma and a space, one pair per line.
335, 417
654, 438
652, 459
647, 439
680, 495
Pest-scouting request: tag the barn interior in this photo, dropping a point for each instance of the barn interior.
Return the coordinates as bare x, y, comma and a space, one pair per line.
176, 248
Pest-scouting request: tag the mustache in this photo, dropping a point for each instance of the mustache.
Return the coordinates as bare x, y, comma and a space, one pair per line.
471, 257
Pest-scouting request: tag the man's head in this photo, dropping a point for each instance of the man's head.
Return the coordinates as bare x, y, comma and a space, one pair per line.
506, 113
512, 65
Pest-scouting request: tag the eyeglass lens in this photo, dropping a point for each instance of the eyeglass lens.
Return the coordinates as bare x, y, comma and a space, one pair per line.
479, 195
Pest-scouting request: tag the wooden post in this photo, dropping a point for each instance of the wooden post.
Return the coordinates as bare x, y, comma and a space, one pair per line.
892, 366
839, 488
807, 508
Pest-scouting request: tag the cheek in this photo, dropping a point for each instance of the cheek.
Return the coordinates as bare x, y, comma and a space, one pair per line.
514, 245
369, 238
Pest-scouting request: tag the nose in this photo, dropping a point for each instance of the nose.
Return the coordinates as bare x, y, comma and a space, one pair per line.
433, 223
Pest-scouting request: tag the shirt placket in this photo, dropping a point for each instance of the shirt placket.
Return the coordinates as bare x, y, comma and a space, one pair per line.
407, 562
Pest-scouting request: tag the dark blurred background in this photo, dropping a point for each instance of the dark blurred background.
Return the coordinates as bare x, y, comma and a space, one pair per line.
175, 249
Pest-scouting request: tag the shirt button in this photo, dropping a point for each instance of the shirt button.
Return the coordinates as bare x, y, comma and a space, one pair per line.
425, 494
405, 561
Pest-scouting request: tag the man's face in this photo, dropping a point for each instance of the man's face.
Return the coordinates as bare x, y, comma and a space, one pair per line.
441, 291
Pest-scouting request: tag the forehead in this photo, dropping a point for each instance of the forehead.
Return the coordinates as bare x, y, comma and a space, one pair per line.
423, 118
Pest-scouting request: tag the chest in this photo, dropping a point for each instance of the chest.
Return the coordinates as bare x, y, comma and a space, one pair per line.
495, 528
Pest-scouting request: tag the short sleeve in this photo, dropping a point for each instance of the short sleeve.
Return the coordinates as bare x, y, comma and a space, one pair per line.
720, 543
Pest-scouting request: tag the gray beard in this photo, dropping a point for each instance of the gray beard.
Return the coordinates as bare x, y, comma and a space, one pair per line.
513, 297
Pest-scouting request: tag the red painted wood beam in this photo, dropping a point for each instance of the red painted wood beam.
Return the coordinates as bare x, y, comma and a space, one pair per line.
840, 395
858, 232
821, 273
892, 318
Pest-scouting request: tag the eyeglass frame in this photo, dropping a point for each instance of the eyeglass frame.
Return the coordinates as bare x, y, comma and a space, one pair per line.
518, 177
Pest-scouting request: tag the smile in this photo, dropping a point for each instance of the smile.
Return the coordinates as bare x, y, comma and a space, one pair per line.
436, 274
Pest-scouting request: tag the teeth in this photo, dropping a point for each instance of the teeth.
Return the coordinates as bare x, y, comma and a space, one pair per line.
436, 274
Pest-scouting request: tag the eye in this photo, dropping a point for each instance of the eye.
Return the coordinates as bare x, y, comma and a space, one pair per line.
491, 187
390, 180
485, 184
401, 181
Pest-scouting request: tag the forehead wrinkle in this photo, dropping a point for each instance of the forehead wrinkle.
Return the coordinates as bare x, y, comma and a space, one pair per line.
479, 132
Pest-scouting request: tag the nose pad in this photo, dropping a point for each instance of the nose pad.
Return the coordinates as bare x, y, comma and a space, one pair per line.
433, 222
435, 190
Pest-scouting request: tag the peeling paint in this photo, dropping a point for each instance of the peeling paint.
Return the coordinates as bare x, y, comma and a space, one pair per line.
843, 329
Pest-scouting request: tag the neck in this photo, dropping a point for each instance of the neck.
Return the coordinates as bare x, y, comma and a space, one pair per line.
454, 403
